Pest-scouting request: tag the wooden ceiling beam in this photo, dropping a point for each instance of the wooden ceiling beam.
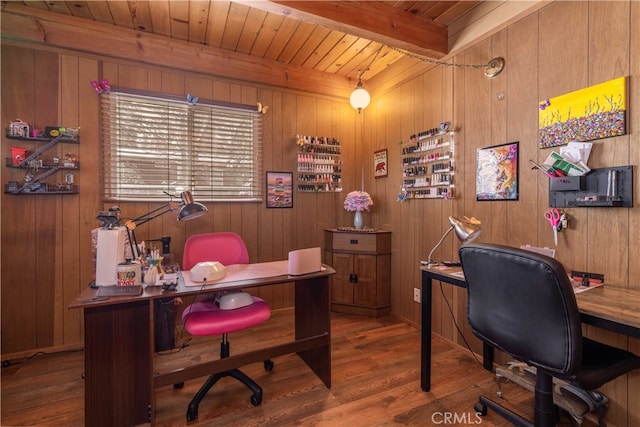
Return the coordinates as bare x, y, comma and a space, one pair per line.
44, 28
372, 20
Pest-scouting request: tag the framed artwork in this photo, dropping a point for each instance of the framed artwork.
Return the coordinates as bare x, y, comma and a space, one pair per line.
497, 172
587, 114
279, 189
380, 163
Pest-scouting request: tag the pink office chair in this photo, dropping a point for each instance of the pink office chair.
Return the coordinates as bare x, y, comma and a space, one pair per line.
205, 318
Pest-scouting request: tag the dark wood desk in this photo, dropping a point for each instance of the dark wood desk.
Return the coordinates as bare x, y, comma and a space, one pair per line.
610, 307
120, 379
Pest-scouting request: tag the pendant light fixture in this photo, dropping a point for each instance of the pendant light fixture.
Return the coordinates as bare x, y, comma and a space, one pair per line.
360, 98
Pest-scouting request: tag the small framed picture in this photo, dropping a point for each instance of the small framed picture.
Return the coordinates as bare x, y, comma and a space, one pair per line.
497, 172
380, 164
279, 190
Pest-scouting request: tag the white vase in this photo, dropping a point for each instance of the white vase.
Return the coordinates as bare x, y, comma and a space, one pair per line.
358, 221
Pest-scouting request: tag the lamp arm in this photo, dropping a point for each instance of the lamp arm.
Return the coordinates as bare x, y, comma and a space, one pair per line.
131, 224
133, 243
143, 219
429, 259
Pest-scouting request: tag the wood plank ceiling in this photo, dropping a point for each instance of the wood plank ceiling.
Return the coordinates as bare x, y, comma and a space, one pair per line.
344, 38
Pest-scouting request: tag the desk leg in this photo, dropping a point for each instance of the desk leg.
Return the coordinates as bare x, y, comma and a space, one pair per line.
487, 356
425, 334
118, 364
312, 317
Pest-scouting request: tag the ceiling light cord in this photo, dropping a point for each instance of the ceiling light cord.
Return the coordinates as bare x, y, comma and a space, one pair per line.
360, 98
360, 73
491, 69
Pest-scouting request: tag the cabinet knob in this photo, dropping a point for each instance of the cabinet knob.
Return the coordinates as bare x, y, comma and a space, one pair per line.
353, 241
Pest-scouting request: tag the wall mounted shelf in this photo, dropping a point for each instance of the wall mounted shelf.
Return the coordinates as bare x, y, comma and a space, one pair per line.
603, 187
38, 169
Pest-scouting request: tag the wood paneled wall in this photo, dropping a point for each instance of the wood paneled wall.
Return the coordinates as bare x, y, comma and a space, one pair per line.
46, 245
562, 47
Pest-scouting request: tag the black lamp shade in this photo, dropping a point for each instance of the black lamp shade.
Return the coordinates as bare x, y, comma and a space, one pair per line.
190, 210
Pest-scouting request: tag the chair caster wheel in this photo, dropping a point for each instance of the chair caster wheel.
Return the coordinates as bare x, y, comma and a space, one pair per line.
179, 385
192, 414
480, 408
268, 365
256, 399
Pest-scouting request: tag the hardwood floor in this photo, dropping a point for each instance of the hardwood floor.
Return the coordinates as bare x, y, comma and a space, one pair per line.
375, 382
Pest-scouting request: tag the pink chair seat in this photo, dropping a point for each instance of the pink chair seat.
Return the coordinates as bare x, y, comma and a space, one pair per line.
206, 318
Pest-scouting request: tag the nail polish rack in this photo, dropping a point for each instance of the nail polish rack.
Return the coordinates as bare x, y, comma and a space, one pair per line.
428, 164
319, 164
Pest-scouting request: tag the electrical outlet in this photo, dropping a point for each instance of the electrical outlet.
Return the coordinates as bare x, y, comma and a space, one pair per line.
416, 294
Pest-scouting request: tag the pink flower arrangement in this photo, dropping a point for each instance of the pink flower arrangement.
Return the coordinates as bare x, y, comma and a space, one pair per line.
358, 201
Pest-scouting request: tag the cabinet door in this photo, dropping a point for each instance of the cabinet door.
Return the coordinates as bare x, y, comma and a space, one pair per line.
342, 288
365, 291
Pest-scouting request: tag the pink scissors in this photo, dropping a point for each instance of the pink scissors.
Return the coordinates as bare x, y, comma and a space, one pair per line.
553, 216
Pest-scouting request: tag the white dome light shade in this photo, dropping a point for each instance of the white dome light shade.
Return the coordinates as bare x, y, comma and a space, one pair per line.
360, 97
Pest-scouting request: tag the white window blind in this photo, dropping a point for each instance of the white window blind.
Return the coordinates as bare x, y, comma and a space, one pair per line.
153, 145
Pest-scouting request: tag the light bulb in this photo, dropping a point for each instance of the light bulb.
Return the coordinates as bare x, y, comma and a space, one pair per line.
360, 97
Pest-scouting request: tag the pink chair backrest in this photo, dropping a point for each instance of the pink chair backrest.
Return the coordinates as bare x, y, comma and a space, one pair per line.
225, 247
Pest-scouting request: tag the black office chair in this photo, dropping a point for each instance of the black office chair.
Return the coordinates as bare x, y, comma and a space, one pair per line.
523, 303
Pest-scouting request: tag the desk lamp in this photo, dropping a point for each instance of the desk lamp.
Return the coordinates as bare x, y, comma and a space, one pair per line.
187, 209
466, 229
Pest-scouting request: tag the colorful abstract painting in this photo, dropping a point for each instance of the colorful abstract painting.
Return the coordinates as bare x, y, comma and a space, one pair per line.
497, 172
585, 115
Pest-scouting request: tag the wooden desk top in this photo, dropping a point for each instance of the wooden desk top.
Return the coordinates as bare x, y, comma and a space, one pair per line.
613, 303
88, 298
610, 306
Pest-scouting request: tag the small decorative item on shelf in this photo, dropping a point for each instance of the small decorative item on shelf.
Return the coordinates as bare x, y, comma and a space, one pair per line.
61, 132
70, 160
17, 155
402, 195
20, 129
358, 201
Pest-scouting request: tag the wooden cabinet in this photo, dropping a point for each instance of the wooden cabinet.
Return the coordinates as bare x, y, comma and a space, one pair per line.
362, 260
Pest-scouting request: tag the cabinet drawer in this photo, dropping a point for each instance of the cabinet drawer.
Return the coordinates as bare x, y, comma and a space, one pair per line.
364, 242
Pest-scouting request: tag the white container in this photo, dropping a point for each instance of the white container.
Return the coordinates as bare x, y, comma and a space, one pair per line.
128, 273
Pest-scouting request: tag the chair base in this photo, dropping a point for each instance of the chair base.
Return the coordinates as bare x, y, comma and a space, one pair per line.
517, 420
546, 413
256, 397
579, 404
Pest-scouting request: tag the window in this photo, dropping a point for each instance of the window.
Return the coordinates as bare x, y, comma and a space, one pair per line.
153, 145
